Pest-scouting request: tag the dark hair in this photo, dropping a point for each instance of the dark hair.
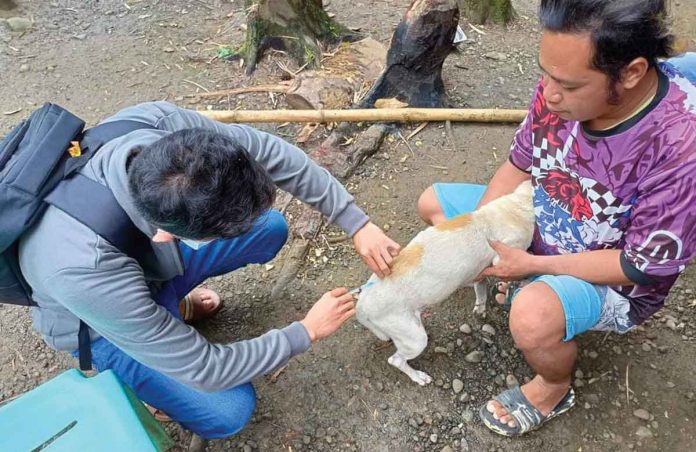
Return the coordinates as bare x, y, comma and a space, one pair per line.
620, 30
197, 184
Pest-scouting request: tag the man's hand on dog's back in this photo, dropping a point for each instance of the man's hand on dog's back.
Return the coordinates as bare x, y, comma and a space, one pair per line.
376, 249
329, 313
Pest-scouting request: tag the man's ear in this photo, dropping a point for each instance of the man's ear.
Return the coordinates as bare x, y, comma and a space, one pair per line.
634, 72
135, 151
163, 237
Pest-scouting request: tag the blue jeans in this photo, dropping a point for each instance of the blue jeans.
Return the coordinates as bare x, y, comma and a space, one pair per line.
210, 415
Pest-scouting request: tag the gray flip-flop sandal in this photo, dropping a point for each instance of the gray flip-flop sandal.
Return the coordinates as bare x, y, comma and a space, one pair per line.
526, 416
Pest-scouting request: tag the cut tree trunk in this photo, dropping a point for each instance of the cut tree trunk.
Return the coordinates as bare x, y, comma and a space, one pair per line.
299, 27
419, 46
481, 11
343, 77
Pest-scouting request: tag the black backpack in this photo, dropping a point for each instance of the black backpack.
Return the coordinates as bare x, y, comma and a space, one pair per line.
39, 163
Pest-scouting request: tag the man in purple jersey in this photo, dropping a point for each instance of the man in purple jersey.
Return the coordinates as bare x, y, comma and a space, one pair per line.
609, 144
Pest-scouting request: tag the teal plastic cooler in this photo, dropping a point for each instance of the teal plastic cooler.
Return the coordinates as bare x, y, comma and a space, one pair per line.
73, 412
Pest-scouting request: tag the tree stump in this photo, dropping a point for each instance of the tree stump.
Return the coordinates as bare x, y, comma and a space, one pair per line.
7, 5
299, 27
413, 74
340, 79
419, 46
480, 11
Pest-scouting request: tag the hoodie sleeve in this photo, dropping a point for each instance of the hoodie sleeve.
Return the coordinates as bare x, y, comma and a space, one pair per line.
288, 166
121, 310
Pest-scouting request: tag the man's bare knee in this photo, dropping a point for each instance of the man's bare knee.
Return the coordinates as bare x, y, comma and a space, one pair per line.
429, 208
537, 319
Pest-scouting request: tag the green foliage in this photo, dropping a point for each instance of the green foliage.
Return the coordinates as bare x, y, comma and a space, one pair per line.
309, 56
224, 52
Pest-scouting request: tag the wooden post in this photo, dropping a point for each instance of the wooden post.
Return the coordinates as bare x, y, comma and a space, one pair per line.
368, 115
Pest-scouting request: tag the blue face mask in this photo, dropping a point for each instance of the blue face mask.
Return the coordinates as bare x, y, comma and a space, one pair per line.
195, 244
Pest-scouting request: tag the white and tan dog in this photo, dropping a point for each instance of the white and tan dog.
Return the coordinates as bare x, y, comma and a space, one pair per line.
439, 260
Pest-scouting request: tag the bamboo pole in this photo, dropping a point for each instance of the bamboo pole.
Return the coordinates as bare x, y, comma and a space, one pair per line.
368, 115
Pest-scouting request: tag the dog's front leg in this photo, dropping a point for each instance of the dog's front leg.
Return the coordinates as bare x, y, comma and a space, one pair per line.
481, 290
399, 361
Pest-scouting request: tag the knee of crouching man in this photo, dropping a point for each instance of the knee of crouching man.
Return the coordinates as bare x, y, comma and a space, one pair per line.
529, 323
427, 204
276, 228
232, 413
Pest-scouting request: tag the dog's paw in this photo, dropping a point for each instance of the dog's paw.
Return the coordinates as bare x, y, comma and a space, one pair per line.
421, 377
480, 310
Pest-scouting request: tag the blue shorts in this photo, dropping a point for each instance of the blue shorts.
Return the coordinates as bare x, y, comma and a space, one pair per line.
586, 306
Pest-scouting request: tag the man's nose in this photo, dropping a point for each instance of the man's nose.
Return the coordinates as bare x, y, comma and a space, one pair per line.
552, 91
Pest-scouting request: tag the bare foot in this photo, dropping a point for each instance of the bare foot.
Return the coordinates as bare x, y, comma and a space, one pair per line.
160, 415
501, 292
502, 297
199, 304
544, 396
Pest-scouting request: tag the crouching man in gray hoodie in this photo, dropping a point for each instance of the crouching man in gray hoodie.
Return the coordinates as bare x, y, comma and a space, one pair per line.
202, 191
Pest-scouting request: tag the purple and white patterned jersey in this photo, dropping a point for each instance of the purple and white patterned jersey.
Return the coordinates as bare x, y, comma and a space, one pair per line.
631, 188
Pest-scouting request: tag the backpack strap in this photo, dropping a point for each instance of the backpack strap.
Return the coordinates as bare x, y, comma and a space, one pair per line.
94, 138
78, 195
84, 347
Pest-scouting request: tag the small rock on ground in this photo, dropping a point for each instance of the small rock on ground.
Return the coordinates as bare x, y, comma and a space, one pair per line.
641, 413
644, 432
19, 23
474, 357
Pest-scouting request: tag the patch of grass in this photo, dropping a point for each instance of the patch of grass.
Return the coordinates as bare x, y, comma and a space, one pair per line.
224, 52
309, 56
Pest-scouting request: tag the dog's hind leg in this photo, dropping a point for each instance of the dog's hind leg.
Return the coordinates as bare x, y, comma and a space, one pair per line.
410, 342
375, 329
481, 290
401, 363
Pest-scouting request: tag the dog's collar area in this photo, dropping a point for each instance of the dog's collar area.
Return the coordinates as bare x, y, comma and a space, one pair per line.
359, 289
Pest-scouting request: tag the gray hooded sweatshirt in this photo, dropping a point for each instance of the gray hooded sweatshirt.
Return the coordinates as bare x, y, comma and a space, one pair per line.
75, 274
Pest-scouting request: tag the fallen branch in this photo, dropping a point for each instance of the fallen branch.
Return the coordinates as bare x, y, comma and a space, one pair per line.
477, 30
369, 115
405, 141
277, 373
278, 88
198, 85
450, 134
291, 265
628, 399
339, 239
417, 131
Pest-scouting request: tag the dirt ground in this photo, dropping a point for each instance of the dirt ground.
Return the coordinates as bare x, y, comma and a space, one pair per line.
96, 57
